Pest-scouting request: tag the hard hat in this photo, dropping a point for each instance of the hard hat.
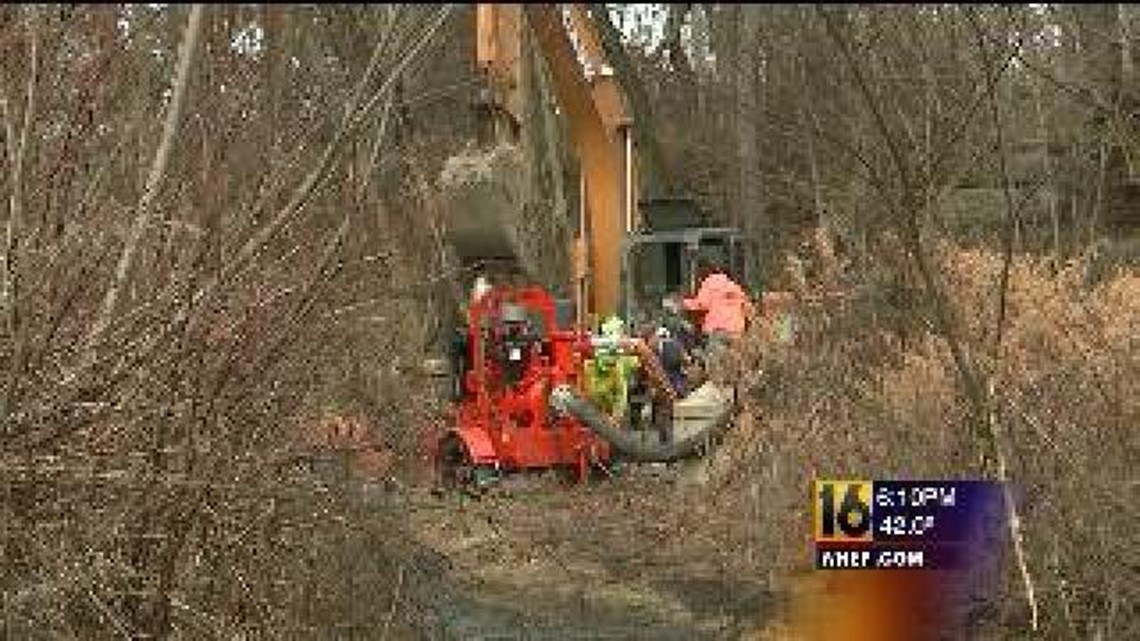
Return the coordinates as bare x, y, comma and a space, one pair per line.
481, 286
613, 326
662, 332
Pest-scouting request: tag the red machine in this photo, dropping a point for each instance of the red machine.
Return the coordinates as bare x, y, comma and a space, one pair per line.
511, 356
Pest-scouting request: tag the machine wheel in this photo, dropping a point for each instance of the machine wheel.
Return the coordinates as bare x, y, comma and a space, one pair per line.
458, 472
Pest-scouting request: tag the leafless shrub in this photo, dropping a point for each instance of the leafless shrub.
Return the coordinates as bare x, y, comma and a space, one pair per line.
828, 408
157, 475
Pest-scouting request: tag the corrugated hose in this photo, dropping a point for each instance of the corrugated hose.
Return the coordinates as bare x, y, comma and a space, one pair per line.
641, 447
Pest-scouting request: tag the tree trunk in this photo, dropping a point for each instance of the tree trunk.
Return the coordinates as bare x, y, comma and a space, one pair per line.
656, 177
1051, 190
1127, 64
723, 25
1098, 31
546, 126
749, 210
673, 44
701, 52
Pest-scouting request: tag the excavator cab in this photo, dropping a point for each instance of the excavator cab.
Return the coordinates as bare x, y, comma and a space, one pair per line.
661, 259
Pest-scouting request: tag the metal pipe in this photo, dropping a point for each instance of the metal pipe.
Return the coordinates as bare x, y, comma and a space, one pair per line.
582, 252
628, 178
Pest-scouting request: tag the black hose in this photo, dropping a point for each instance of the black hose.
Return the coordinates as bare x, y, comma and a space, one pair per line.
641, 447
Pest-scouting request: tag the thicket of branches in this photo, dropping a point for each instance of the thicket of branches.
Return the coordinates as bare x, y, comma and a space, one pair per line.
211, 213
220, 226
908, 133
810, 114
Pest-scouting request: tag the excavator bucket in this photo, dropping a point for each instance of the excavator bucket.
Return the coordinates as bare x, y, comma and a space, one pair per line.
484, 191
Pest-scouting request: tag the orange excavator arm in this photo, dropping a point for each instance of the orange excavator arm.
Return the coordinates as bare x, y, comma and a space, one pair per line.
600, 130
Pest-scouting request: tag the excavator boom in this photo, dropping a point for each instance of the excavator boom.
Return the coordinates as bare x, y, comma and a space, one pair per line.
596, 111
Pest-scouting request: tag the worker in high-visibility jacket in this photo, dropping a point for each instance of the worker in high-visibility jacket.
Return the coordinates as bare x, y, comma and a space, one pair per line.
609, 372
725, 307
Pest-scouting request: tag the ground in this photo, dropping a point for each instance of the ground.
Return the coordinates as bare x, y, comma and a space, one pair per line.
607, 560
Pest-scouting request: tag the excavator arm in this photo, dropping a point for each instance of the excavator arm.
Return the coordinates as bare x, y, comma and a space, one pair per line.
600, 129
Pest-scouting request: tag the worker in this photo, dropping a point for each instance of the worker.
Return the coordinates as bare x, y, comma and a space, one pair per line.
724, 304
457, 356
481, 287
609, 372
680, 329
673, 358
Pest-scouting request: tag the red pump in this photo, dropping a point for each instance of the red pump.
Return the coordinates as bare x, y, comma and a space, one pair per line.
512, 357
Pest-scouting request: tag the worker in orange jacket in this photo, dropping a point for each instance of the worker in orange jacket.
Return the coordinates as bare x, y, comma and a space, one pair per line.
724, 304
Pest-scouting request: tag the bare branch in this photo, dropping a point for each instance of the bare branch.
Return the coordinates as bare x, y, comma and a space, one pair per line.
996, 431
1015, 525
871, 101
157, 172
17, 157
353, 117
1011, 211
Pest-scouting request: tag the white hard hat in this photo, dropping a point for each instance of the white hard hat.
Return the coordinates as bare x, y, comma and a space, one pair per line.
482, 286
662, 332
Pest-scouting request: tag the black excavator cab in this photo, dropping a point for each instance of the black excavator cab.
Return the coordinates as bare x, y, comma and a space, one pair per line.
661, 259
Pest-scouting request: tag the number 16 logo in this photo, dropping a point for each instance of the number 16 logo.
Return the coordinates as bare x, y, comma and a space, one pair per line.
842, 510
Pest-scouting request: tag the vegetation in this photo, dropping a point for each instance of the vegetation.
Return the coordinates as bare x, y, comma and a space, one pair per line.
223, 247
